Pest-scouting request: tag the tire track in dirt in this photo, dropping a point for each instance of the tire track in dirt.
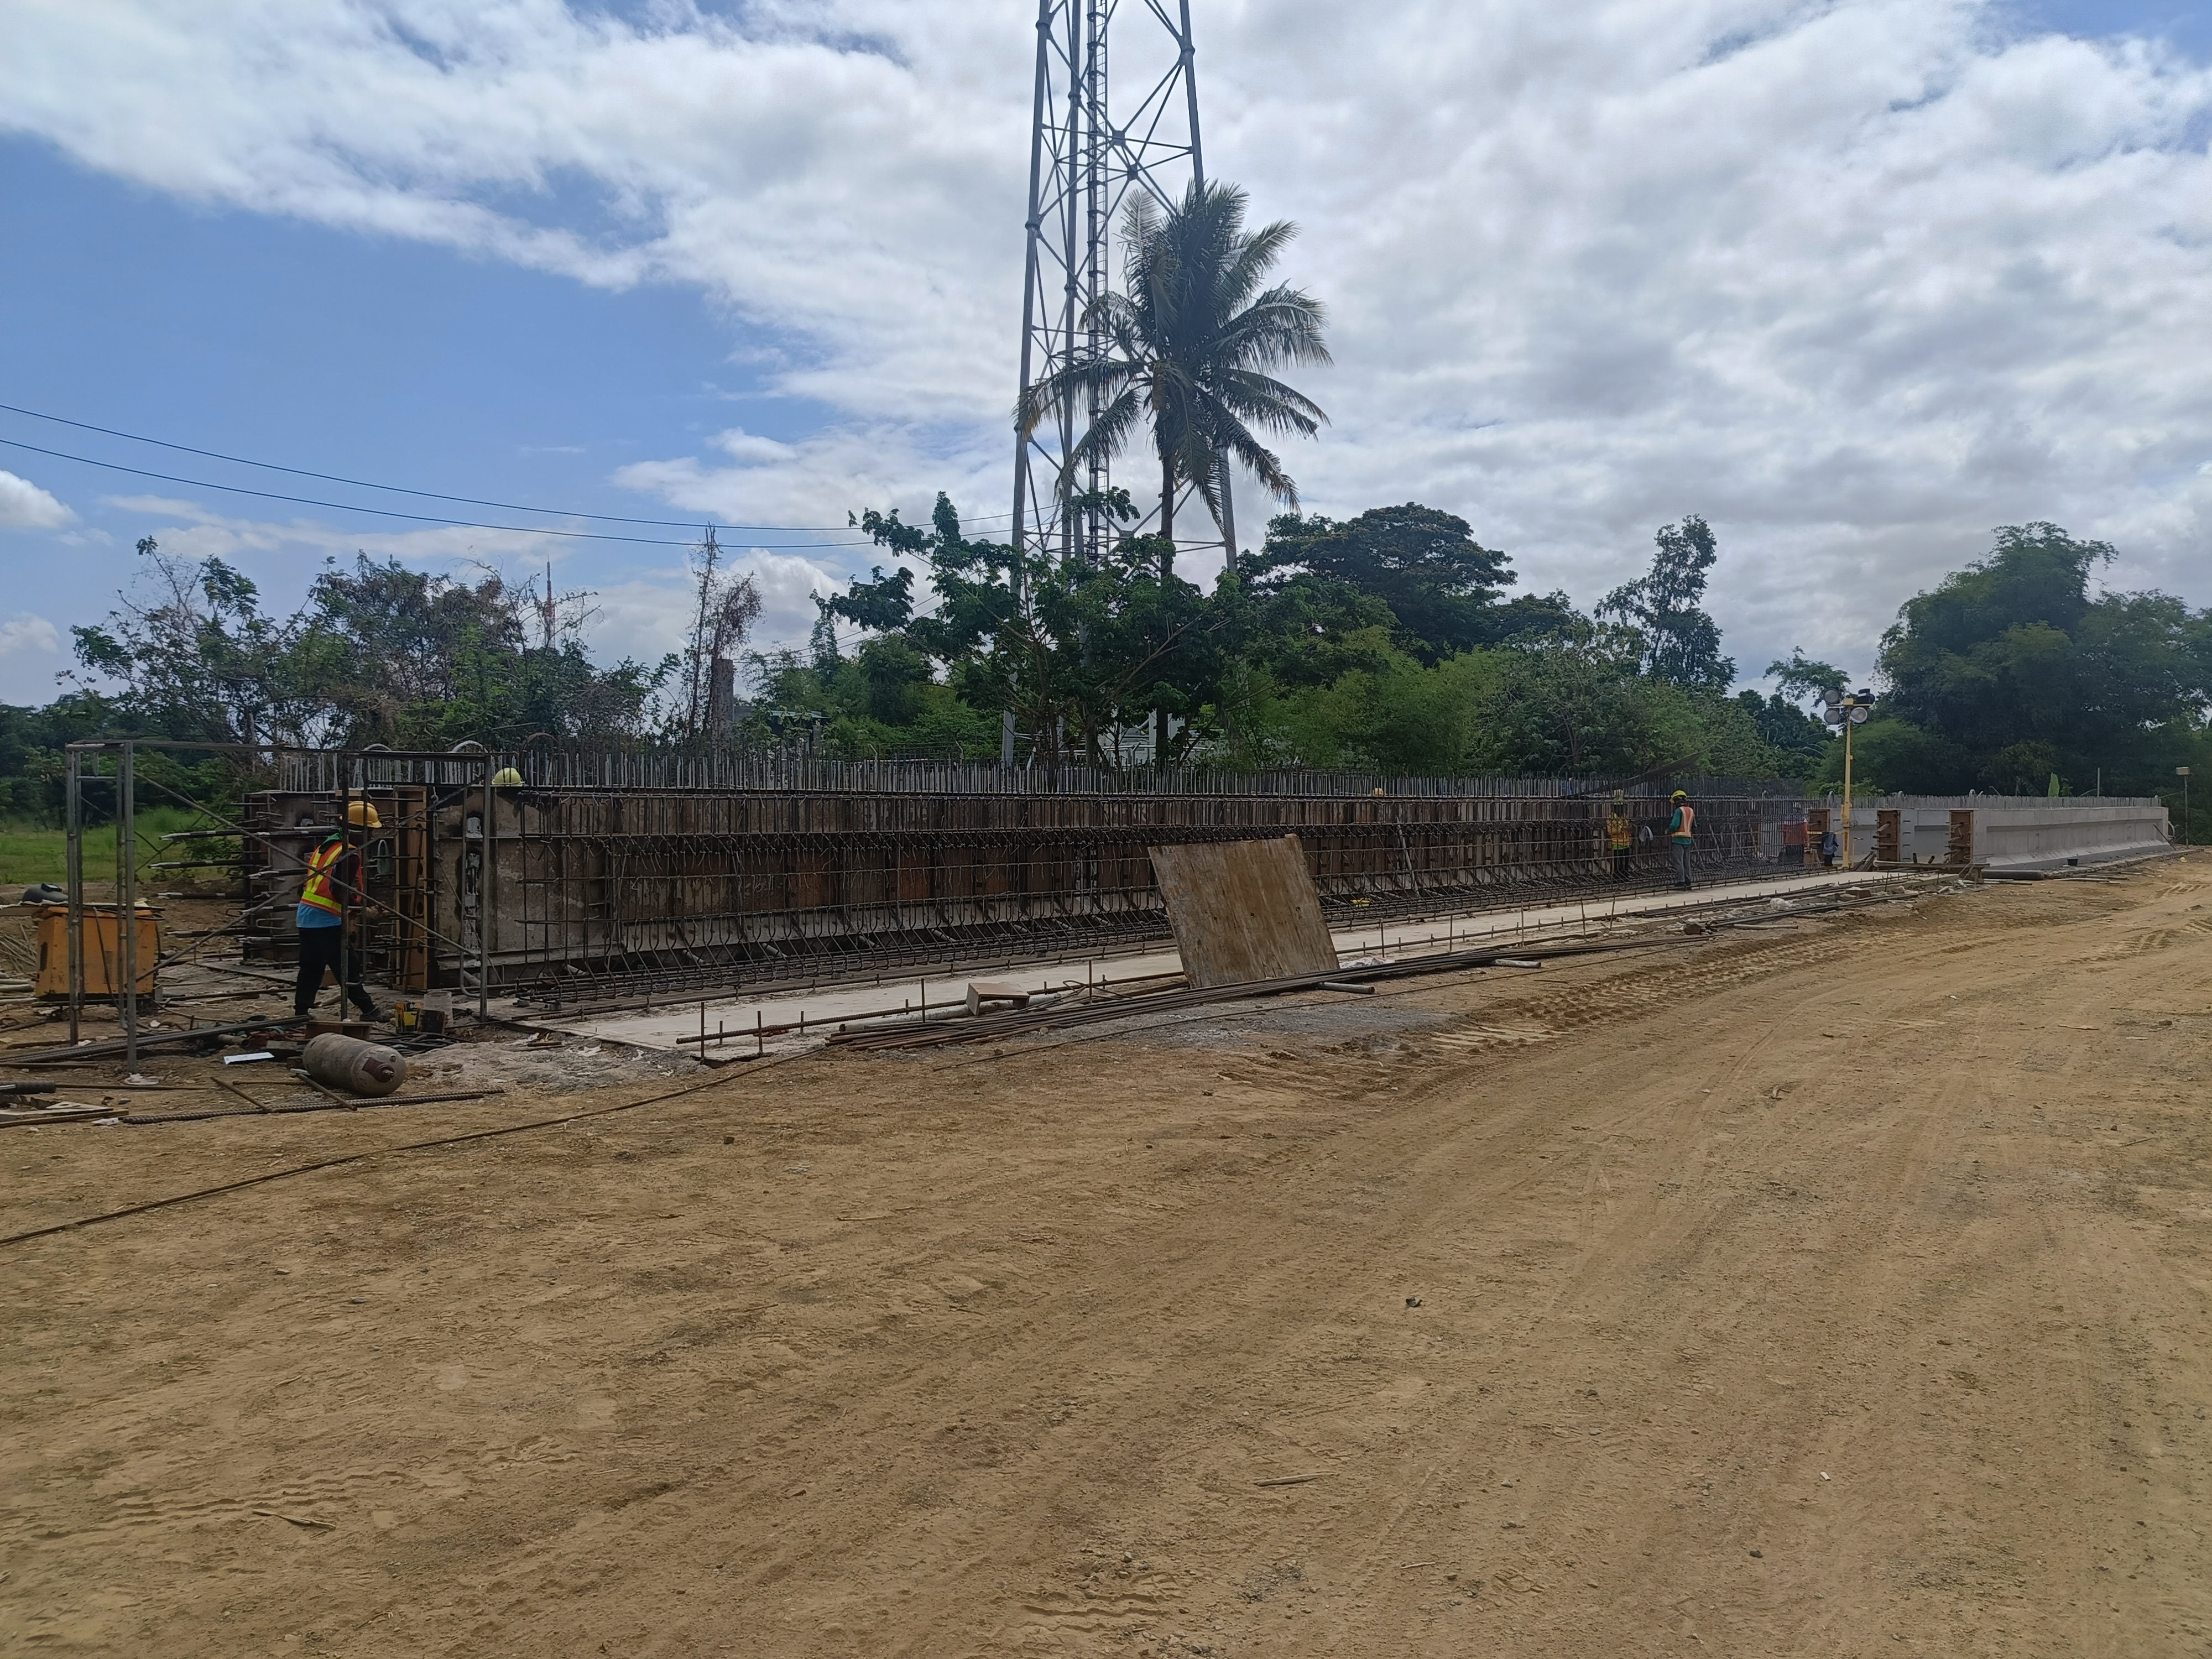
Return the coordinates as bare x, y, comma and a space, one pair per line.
1074, 1321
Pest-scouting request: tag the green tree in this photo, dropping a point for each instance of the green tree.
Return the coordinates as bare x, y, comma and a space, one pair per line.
378, 653
1807, 679
195, 655
1077, 652
383, 653
2018, 671
1191, 348
1791, 732
1679, 642
1391, 714
1442, 587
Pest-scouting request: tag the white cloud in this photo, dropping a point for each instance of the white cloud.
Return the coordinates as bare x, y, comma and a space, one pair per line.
644, 614
29, 633
1858, 280
204, 534
645, 618
24, 506
846, 468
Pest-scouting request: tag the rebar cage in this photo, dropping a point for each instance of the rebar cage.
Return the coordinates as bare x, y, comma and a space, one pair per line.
604, 879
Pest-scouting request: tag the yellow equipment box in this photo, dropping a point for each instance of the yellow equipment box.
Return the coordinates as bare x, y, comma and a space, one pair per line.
103, 953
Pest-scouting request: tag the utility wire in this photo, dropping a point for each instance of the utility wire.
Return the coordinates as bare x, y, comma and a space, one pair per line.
413, 518
426, 495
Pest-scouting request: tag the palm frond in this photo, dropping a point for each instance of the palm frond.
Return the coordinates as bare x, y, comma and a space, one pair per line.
1105, 437
1187, 342
1250, 263
1253, 397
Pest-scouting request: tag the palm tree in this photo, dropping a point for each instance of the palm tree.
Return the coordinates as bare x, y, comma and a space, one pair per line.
1188, 347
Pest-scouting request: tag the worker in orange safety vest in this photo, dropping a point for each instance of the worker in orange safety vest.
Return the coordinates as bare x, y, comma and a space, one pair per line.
1681, 831
333, 883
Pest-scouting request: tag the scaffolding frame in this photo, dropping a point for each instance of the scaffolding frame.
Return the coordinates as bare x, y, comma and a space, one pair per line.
476, 768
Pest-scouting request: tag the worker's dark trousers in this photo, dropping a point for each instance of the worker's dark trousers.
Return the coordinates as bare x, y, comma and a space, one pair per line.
1621, 864
318, 950
1682, 863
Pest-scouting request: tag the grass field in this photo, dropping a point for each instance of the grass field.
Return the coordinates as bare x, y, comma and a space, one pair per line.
30, 853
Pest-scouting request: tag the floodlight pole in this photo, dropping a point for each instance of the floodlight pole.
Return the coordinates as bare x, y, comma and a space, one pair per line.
1847, 786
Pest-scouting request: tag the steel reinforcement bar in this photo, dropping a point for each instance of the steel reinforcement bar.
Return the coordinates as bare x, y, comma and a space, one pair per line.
596, 895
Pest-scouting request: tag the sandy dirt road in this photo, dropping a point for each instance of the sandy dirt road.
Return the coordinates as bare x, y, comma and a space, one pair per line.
1839, 1288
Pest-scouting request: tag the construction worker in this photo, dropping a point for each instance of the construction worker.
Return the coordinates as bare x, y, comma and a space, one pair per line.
1681, 830
1617, 836
334, 881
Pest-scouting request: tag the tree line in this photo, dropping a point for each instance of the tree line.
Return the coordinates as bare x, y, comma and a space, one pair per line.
1392, 640
1386, 641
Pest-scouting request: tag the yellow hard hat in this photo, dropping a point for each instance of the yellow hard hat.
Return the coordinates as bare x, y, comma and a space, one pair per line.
362, 814
1681, 794
507, 778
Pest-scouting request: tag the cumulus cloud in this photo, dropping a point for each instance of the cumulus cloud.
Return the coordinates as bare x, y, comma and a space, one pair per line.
748, 478
24, 506
201, 532
646, 618
30, 633
643, 613
1857, 280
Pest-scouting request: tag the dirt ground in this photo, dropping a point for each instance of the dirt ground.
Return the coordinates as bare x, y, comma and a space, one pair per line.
1834, 1288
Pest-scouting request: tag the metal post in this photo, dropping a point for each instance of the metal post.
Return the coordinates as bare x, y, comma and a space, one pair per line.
346, 921
127, 906
489, 888
76, 879
1846, 837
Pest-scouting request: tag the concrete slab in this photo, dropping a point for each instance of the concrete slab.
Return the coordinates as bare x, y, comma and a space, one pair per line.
800, 1018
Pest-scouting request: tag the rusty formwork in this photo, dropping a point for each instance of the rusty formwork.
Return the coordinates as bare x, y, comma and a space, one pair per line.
679, 882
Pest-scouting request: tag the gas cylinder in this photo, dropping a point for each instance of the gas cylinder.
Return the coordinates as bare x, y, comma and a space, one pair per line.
358, 1067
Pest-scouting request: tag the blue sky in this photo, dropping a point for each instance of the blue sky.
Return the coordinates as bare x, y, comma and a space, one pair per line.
765, 274
388, 359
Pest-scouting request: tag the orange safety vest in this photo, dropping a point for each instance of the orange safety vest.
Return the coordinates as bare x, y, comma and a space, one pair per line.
1685, 819
316, 891
1616, 833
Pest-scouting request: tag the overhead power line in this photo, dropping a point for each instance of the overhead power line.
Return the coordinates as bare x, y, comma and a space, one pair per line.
413, 518
402, 489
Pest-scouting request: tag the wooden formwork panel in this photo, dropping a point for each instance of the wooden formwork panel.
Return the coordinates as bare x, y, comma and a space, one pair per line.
1244, 910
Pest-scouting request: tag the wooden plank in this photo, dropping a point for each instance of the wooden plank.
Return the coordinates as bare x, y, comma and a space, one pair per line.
1243, 911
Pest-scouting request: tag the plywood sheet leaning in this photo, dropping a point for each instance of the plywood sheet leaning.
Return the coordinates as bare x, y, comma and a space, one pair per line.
1244, 910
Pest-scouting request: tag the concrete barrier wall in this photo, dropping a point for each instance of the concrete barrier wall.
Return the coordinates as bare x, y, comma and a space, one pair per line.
2021, 832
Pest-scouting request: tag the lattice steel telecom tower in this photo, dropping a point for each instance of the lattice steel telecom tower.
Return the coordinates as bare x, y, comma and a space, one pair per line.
1089, 148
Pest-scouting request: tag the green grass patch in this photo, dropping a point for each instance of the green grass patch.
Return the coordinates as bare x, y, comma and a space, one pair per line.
30, 854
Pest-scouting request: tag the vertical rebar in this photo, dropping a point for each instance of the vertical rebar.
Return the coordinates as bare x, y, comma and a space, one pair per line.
75, 866
126, 909
488, 888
